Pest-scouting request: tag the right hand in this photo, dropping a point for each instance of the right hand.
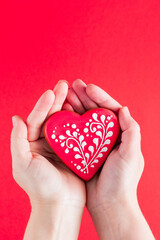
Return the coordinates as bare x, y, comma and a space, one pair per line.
36, 168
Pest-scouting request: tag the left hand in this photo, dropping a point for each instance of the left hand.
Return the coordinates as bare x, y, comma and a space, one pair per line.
117, 180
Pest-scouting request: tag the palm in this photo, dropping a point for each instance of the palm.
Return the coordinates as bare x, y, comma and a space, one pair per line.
50, 177
104, 184
59, 179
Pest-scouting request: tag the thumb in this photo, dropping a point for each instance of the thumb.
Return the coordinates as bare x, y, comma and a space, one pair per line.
20, 148
131, 137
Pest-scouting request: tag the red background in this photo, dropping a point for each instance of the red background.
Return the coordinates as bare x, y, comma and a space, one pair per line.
114, 44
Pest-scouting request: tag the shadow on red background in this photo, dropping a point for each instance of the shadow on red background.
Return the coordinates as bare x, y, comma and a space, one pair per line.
114, 44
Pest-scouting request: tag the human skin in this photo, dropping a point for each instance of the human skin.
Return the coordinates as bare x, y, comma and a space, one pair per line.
56, 194
112, 192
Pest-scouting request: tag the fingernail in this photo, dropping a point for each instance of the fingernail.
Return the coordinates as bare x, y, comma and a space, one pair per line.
59, 82
126, 110
64, 81
14, 122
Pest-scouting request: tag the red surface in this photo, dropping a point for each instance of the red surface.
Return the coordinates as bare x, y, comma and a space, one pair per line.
114, 44
83, 142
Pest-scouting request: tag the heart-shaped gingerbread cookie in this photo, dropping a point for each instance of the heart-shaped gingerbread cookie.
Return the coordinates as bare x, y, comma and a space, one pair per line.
82, 142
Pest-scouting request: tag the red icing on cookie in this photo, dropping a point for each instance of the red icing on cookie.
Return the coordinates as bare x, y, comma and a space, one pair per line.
82, 142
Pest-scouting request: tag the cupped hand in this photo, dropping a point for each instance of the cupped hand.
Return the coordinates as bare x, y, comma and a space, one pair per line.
117, 180
42, 175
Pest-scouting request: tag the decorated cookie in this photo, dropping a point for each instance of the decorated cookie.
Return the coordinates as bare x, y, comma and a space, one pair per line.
82, 142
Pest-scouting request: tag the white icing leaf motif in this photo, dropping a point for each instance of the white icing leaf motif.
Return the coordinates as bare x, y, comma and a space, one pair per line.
104, 149
81, 138
68, 133
100, 155
94, 115
98, 133
66, 151
75, 134
111, 124
76, 149
61, 137
62, 144
107, 141
109, 134
87, 155
102, 118
91, 149
77, 156
95, 161
95, 141
84, 144
83, 162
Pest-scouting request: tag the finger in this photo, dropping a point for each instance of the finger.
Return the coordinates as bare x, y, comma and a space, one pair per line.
74, 101
20, 148
131, 137
80, 89
38, 115
100, 97
67, 107
60, 91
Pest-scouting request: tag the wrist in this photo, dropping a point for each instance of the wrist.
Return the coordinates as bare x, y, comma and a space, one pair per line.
113, 209
54, 221
121, 219
109, 203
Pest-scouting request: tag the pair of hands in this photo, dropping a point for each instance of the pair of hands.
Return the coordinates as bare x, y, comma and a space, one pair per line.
47, 180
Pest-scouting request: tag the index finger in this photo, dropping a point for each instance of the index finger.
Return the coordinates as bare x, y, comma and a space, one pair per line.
38, 115
103, 99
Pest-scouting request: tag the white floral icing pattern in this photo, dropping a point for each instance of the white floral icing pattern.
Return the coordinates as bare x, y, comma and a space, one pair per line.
100, 127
